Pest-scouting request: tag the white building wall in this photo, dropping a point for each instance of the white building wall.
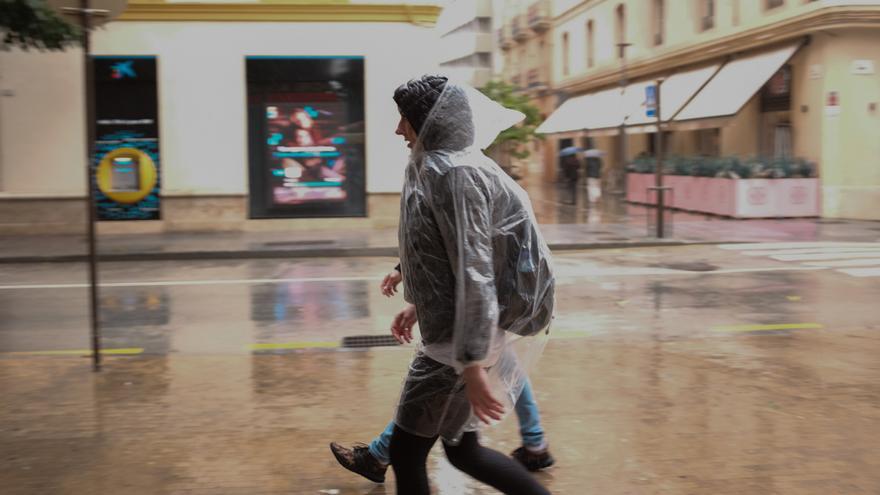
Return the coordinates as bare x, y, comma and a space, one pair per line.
202, 105
457, 45
460, 12
42, 125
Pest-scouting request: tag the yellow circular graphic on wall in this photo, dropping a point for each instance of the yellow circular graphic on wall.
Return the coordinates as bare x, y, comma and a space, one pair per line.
126, 175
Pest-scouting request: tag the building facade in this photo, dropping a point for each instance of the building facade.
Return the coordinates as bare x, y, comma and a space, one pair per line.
523, 58
741, 78
465, 46
224, 75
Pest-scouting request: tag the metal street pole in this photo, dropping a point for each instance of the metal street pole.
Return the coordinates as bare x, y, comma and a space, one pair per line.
620, 173
90, 14
658, 172
90, 153
85, 17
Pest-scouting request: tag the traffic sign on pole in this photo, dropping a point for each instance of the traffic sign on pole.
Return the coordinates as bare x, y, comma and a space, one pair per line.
651, 101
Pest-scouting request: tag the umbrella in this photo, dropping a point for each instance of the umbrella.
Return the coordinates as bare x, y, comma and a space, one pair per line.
571, 150
594, 153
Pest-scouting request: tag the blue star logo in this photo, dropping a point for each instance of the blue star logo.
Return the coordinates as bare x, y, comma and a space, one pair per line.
123, 69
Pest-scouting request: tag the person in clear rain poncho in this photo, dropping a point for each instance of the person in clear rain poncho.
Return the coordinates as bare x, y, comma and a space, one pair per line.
477, 278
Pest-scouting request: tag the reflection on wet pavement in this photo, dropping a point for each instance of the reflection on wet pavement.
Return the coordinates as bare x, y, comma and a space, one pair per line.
209, 307
628, 417
755, 376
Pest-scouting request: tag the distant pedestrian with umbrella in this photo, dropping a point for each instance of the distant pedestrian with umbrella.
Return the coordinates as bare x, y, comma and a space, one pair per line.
571, 165
594, 173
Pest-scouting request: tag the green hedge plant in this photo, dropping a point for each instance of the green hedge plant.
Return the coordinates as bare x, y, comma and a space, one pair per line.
727, 167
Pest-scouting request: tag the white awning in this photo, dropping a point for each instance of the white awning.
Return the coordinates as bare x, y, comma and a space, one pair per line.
675, 91
590, 111
606, 109
735, 84
609, 109
688, 125
725, 90
566, 118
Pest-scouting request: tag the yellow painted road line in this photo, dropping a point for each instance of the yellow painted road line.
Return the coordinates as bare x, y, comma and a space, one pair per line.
861, 272
763, 328
292, 345
571, 334
173, 283
792, 245
825, 256
79, 352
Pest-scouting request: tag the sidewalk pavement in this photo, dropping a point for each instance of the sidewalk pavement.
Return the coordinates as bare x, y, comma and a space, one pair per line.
607, 224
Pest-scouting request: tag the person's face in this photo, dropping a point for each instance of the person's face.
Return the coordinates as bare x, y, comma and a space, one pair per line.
405, 129
303, 119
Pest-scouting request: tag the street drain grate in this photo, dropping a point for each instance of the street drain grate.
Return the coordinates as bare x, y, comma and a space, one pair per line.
689, 267
369, 341
126, 249
317, 242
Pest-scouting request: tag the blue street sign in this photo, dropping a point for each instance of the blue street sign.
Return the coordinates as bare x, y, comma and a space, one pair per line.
651, 101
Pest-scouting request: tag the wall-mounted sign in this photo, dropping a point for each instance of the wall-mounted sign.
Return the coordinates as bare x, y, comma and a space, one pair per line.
651, 101
832, 104
815, 71
862, 67
126, 162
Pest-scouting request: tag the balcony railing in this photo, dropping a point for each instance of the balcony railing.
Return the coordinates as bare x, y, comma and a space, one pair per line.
520, 32
535, 80
539, 16
505, 37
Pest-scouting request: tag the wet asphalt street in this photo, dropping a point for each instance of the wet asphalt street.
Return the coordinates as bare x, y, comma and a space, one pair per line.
686, 370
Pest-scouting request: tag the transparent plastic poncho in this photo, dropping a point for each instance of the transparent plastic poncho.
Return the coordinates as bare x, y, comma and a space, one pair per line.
474, 264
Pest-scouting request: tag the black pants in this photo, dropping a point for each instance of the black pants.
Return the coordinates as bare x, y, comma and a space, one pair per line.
409, 455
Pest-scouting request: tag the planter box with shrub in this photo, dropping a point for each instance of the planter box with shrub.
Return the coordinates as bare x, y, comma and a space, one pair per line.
728, 187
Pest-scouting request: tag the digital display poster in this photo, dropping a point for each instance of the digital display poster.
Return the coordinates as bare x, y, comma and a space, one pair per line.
126, 162
304, 151
306, 134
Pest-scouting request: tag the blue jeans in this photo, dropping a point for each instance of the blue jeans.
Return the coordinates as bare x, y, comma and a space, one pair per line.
526, 412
